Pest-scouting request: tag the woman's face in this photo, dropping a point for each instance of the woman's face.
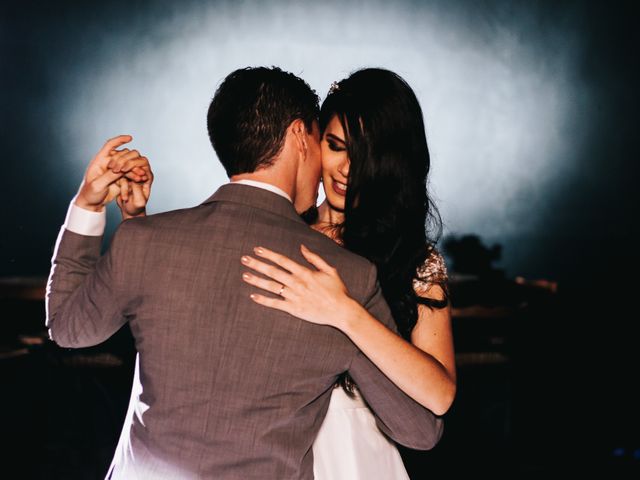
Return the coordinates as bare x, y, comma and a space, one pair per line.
335, 164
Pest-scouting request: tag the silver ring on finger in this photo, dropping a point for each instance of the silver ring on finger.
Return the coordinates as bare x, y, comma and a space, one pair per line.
281, 291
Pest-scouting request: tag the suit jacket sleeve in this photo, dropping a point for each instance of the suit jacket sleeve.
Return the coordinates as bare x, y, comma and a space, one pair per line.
86, 299
397, 415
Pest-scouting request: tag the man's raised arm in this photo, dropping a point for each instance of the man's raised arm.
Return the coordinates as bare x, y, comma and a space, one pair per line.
82, 302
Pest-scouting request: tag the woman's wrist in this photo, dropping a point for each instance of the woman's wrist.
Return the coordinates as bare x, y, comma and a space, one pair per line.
127, 216
351, 315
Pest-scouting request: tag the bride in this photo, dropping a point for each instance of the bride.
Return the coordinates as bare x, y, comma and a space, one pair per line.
375, 163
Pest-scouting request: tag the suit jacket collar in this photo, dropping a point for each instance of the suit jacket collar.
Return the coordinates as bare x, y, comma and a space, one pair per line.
255, 197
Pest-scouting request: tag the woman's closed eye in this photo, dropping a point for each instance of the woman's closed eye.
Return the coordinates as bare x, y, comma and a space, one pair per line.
335, 143
335, 147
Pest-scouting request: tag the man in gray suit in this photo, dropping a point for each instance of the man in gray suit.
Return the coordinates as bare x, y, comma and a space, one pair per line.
225, 388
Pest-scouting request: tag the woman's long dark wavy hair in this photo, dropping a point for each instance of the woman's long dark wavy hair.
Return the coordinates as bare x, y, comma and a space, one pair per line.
389, 217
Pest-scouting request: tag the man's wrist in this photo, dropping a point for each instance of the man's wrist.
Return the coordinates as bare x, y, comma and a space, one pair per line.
80, 202
85, 222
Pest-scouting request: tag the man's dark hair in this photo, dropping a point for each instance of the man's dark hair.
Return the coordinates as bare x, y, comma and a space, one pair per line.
250, 112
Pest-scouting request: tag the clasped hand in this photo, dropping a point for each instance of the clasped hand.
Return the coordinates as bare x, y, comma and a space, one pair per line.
120, 174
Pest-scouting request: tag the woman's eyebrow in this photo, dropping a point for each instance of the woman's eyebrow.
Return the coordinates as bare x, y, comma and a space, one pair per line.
334, 137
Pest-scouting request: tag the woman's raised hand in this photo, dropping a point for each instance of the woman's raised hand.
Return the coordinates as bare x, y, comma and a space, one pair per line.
133, 194
315, 295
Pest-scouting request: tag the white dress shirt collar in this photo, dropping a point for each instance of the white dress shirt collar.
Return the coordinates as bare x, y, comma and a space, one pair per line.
264, 186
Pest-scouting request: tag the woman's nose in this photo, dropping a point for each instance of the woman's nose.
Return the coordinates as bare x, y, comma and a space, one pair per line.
344, 168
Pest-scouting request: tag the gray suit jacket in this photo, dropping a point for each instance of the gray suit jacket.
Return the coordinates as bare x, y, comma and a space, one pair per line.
229, 389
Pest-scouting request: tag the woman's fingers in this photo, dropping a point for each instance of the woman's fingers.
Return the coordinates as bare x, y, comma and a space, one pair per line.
267, 270
270, 302
146, 188
139, 200
127, 161
124, 189
268, 285
116, 156
133, 170
281, 260
139, 171
316, 260
308, 296
149, 174
133, 165
148, 180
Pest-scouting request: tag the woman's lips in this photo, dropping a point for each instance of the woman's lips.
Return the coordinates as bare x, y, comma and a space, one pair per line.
339, 188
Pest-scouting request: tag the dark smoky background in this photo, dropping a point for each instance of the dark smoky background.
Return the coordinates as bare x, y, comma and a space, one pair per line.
531, 111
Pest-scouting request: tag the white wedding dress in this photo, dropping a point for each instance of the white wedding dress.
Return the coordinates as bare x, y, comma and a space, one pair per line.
349, 445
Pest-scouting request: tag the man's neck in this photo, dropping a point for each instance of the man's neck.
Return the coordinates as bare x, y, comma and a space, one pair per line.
270, 178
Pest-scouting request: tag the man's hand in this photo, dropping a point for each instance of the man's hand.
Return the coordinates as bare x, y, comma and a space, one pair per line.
100, 184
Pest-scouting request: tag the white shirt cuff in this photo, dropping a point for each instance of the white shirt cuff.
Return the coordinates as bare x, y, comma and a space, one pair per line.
85, 222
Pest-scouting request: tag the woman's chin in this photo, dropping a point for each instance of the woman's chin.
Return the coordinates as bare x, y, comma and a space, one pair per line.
336, 205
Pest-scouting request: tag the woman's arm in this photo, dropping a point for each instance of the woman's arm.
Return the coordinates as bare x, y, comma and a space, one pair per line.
424, 371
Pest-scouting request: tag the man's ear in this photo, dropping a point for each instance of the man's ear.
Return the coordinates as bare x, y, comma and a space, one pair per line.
299, 130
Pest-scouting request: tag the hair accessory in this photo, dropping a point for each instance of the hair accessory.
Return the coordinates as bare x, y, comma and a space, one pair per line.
335, 86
